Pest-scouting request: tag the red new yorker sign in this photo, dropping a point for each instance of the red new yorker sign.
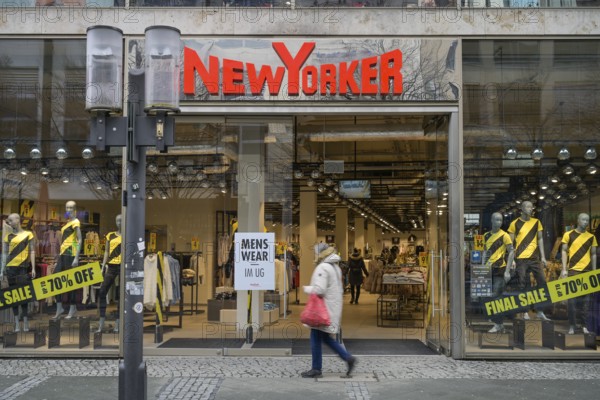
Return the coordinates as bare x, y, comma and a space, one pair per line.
368, 76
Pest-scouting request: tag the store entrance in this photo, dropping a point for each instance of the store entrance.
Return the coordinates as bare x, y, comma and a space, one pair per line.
375, 185
396, 222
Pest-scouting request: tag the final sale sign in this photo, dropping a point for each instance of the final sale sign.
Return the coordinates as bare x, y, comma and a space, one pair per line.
254, 261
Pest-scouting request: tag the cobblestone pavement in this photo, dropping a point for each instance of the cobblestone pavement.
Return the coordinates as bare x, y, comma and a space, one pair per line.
375, 377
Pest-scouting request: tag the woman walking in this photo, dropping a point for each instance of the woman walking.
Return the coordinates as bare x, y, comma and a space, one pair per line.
356, 267
326, 282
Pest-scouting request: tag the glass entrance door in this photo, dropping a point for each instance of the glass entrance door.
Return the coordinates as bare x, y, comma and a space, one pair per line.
436, 258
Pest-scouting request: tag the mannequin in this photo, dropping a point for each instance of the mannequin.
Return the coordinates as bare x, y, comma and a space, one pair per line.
579, 252
526, 234
18, 254
69, 253
111, 269
497, 244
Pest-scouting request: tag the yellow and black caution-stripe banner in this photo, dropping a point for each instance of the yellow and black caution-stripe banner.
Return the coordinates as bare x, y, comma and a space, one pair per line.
553, 292
52, 285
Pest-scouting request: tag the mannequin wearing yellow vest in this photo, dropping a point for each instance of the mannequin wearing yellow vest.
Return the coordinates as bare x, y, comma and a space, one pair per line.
69, 253
18, 254
111, 268
579, 254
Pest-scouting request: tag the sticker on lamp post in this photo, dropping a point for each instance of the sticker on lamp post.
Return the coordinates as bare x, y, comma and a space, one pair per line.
254, 261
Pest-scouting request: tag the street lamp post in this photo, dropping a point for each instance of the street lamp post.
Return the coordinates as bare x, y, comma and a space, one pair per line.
152, 99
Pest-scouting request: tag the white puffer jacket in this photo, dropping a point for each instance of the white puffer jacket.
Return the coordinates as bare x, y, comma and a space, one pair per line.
326, 282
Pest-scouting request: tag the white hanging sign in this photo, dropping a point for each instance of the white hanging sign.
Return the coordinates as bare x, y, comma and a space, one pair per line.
254, 261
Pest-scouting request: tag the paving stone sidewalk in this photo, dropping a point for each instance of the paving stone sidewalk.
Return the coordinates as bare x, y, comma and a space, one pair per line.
265, 378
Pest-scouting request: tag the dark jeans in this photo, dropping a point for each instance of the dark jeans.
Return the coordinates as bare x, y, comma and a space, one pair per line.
18, 276
65, 262
318, 337
498, 286
354, 288
524, 267
579, 306
112, 272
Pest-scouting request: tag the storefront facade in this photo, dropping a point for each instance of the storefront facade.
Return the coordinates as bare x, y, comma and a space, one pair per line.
440, 125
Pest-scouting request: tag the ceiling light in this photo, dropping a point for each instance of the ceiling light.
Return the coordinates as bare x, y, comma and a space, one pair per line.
298, 174
511, 153
24, 171
205, 184
573, 196
328, 182
563, 154
201, 176
562, 186
591, 169
149, 196
172, 167
84, 178
533, 192
9, 153
518, 201
331, 193
65, 179
315, 174
541, 197
99, 186
590, 154
35, 153
557, 196
163, 195
310, 182
115, 186
554, 179
87, 153
567, 169
575, 179
321, 188
223, 190
152, 167
543, 186
44, 171
222, 183
61, 153
537, 154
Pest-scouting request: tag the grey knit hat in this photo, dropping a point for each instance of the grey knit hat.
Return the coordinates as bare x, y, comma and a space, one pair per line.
324, 250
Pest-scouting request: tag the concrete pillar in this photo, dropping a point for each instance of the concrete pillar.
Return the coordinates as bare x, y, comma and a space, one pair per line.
341, 231
371, 238
308, 237
251, 210
359, 234
379, 241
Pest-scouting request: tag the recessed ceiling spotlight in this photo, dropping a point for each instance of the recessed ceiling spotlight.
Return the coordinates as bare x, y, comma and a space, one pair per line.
87, 153
35, 153
590, 154
9, 153
537, 154
172, 167
61, 153
152, 167
511, 153
564, 154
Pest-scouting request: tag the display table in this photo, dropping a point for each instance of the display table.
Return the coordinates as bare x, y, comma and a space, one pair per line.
393, 306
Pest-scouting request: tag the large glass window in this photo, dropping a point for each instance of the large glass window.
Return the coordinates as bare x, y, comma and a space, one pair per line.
58, 199
530, 140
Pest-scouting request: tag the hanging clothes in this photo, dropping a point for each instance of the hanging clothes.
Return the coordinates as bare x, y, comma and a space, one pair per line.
175, 273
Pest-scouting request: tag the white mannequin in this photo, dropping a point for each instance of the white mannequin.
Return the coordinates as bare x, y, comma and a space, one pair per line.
583, 221
107, 283
14, 223
71, 214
